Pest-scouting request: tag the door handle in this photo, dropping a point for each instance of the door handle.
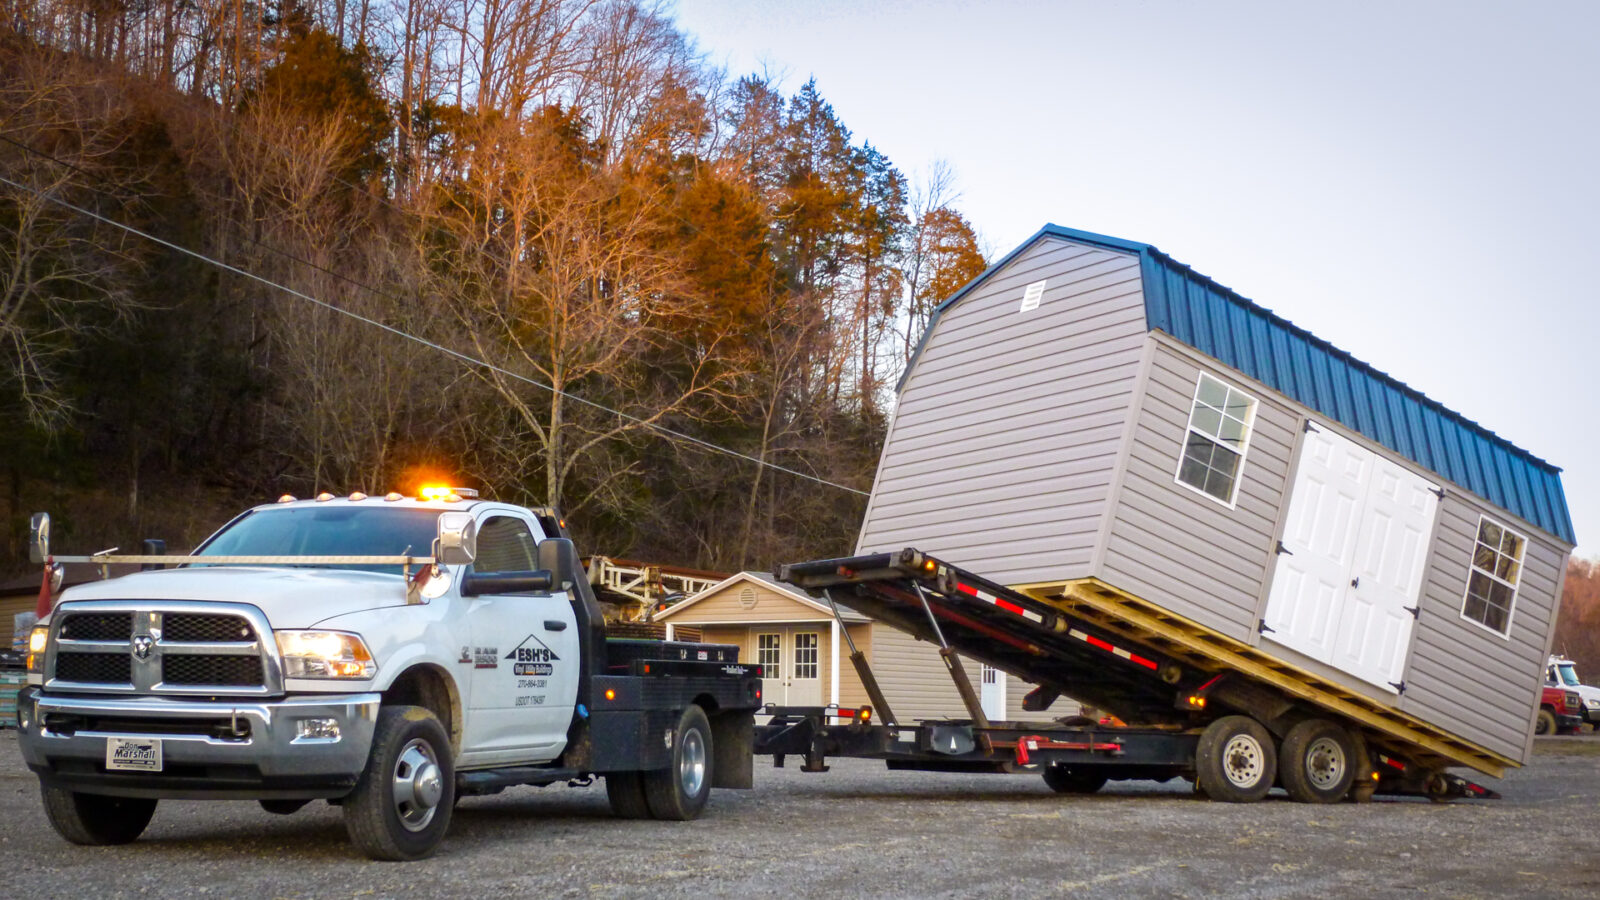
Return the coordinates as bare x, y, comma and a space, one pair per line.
554, 625
1355, 582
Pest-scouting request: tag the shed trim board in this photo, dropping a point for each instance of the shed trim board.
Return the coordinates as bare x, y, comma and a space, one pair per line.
788, 593
1119, 470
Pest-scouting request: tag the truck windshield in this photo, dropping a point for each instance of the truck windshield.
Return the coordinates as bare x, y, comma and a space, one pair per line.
1569, 674
328, 531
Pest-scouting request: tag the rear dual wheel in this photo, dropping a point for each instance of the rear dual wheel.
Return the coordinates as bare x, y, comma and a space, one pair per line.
678, 792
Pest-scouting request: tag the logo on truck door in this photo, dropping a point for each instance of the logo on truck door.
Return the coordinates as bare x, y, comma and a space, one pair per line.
532, 660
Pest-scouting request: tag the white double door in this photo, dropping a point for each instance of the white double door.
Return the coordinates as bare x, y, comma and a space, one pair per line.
790, 657
1352, 561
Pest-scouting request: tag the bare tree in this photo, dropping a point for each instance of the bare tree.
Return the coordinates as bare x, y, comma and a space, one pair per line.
62, 274
556, 274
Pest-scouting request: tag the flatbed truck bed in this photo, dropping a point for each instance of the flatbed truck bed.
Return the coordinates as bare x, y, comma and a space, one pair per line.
1214, 718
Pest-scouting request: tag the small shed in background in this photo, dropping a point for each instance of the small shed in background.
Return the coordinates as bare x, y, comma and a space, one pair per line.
805, 660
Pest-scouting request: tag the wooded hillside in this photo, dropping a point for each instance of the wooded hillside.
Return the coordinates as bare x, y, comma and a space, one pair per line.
600, 236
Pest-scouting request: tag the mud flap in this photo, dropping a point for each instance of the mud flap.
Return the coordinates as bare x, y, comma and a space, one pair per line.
733, 750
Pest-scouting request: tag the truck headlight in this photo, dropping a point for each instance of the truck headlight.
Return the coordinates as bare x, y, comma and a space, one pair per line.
38, 639
324, 654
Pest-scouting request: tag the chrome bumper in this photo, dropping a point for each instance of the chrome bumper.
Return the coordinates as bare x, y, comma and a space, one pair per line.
209, 748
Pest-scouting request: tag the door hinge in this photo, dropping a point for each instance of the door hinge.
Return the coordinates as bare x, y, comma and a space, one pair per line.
1308, 427
1399, 686
1439, 491
1262, 627
1416, 611
1284, 551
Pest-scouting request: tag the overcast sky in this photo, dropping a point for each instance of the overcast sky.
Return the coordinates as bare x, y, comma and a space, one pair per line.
1414, 182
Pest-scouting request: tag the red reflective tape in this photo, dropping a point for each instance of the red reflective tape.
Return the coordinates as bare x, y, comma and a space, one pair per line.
1147, 663
1008, 606
966, 589
1099, 643
1395, 763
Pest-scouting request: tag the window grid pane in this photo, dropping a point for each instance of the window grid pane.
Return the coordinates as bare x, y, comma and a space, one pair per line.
767, 651
1219, 431
805, 655
1496, 566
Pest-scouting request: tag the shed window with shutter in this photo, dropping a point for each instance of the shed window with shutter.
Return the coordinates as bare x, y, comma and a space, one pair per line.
1218, 436
1492, 580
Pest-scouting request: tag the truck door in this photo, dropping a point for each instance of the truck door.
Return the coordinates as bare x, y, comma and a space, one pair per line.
524, 657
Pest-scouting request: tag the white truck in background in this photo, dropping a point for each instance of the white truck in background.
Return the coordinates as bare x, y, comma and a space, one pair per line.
1563, 673
304, 652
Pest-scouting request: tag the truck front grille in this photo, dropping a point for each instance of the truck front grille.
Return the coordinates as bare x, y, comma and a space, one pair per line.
98, 627
180, 647
205, 628
96, 668
227, 671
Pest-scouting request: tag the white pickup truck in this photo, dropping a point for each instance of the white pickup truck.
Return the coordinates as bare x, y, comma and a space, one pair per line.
303, 652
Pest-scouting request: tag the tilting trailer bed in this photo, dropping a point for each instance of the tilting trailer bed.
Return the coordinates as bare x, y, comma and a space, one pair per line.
1210, 715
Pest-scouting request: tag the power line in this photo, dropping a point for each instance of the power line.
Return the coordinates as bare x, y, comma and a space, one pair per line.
462, 357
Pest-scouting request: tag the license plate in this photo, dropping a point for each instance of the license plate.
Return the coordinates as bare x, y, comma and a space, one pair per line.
133, 754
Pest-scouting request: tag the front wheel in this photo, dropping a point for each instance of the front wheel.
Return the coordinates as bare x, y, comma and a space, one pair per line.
95, 819
1235, 761
1546, 723
401, 805
679, 792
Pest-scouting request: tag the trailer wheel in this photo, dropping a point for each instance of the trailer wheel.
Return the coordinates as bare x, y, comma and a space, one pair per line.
1546, 723
1317, 762
1235, 761
94, 819
679, 792
401, 806
1063, 780
625, 790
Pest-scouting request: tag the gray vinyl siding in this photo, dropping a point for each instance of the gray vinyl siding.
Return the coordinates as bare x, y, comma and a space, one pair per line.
1480, 685
914, 681
1179, 548
1016, 689
913, 678
1006, 431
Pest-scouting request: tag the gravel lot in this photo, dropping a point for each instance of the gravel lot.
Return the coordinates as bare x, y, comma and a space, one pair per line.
862, 830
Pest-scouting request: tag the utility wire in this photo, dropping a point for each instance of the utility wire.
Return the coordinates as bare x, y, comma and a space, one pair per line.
462, 357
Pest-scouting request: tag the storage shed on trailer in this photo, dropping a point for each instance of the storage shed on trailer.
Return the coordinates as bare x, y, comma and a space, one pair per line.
1090, 413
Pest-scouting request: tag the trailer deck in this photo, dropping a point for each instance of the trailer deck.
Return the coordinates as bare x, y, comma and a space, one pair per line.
1088, 641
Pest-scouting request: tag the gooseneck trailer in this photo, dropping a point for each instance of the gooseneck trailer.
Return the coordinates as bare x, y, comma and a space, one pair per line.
1194, 706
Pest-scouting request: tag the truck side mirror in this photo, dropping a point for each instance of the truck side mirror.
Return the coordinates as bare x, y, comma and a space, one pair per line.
458, 539
39, 538
557, 556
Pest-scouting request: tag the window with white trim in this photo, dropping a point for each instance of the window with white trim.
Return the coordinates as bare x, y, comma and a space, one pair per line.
1492, 580
1216, 440
768, 653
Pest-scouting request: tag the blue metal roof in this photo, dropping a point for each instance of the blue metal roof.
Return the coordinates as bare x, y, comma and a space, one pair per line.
1220, 323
